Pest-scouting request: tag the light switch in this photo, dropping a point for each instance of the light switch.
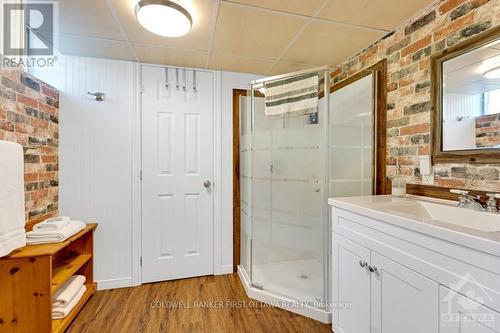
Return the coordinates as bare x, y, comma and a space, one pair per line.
425, 165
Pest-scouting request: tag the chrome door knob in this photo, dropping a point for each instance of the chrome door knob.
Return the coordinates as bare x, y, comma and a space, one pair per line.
372, 269
363, 263
207, 183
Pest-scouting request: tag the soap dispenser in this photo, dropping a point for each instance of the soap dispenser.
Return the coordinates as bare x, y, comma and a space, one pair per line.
398, 183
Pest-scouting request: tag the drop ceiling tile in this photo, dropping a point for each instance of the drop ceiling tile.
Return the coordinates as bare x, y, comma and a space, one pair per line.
91, 18
197, 39
325, 43
381, 14
255, 33
161, 55
234, 63
92, 47
286, 67
302, 7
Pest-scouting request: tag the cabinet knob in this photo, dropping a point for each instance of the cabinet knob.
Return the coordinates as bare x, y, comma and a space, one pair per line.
372, 269
363, 263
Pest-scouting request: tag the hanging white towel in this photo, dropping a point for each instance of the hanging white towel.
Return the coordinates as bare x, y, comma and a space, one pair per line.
52, 223
60, 312
68, 291
292, 96
55, 236
12, 233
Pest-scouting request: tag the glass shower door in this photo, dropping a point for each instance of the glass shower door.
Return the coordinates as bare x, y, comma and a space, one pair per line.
288, 203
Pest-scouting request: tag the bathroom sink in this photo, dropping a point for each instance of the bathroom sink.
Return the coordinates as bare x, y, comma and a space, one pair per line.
450, 214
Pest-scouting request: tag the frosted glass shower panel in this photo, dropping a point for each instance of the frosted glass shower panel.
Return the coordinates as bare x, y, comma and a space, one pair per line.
288, 202
351, 139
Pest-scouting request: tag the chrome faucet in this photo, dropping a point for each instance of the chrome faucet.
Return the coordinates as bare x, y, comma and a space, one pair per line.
465, 200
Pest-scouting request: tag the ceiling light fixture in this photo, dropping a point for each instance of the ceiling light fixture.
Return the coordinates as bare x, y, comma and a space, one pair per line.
493, 73
163, 17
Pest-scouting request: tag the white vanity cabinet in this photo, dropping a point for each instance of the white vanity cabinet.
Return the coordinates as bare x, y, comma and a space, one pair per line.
390, 298
390, 279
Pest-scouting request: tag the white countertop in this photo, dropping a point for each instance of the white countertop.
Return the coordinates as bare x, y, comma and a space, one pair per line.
417, 219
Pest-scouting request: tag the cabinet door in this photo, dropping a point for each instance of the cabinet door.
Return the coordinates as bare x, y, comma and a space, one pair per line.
402, 300
460, 314
351, 286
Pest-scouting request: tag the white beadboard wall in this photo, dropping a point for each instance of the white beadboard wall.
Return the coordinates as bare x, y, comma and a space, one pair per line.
97, 159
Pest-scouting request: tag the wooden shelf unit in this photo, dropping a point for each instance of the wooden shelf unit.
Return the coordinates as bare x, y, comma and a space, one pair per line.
29, 277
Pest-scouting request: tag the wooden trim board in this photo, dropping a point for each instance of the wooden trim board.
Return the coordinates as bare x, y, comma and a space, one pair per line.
441, 192
237, 93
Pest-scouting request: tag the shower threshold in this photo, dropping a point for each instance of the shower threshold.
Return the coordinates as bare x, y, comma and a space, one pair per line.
257, 292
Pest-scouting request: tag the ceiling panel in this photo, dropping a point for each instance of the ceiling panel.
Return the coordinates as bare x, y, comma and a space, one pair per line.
381, 14
170, 56
326, 43
286, 67
239, 64
250, 32
88, 18
91, 47
302, 7
197, 39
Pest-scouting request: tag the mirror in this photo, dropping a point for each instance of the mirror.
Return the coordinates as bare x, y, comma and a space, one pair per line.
467, 101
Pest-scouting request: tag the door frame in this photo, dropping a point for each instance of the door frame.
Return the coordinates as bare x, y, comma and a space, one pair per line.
137, 170
236, 178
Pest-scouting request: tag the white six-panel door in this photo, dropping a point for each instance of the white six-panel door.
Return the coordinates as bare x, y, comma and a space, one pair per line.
177, 173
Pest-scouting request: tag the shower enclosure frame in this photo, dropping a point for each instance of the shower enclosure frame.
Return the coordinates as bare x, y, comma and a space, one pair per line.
256, 291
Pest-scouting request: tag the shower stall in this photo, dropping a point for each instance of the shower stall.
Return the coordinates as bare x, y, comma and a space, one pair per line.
289, 165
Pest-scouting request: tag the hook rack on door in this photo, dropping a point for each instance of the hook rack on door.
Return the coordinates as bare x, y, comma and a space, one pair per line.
178, 80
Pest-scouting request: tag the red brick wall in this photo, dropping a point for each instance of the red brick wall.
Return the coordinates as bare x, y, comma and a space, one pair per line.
408, 50
488, 131
29, 115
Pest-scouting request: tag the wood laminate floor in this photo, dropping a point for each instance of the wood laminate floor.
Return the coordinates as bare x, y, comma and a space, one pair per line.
198, 305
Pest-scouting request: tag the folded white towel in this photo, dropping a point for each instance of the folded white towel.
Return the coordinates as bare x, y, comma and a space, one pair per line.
59, 312
68, 291
11, 197
52, 223
54, 236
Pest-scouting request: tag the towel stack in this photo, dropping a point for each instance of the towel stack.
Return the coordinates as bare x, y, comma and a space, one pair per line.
11, 197
54, 230
68, 296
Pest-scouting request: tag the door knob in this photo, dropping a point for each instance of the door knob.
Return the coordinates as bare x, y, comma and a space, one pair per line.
372, 269
207, 183
363, 263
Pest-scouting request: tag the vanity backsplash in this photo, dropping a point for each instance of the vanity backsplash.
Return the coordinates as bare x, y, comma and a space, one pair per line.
409, 108
29, 115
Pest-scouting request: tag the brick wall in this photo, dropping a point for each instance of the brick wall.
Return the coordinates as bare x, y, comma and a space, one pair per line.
408, 50
29, 116
488, 131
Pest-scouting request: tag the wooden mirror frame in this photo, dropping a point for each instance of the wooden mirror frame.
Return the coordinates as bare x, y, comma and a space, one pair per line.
473, 156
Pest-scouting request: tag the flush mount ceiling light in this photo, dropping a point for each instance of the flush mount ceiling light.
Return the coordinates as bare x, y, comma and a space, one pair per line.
493, 73
163, 17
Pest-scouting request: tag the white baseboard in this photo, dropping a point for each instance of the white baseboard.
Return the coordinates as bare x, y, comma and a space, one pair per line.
227, 269
114, 283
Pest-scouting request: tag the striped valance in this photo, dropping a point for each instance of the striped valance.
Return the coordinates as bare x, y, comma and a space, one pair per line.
293, 96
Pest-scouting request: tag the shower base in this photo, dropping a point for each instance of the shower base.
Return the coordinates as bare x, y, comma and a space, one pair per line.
302, 290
